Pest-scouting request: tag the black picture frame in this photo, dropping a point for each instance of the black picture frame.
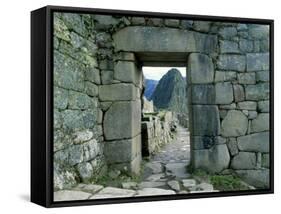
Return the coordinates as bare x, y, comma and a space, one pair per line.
42, 102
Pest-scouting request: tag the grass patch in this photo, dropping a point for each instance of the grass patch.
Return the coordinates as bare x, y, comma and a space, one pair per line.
227, 183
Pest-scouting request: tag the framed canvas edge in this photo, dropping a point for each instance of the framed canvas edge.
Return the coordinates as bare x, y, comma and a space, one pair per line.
49, 107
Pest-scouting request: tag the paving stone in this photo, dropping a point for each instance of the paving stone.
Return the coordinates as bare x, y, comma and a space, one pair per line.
189, 183
113, 192
70, 195
151, 184
174, 185
154, 191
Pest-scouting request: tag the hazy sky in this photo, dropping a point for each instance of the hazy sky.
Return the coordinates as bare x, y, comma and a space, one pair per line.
156, 73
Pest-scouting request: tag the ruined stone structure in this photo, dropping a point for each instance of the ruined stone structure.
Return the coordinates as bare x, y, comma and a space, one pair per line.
98, 84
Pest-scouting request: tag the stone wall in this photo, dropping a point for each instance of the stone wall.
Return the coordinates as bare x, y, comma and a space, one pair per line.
156, 131
98, 85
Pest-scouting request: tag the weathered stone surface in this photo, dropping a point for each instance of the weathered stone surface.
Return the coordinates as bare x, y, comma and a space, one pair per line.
106, 64
257, 178
91, 89
259, 31
162, 40
79, 100
244, 160
125, 56
60, 98
247, 105
138, 21
261, 123
203, 94
82, 136
105, 22
257, 92
154, 191
186, 24
257, 61
232, 62
68, 73
258, 142
246, 78
132, 168
90, 188
234, 124
228, 32
155, 22
232, 146
252, 114
107, 77
70, 195
117, 92
174, 185
177, 169
172, 22
206, 120
113, 192
222, 76
212, 160
239, 94
228, 106
122, 150
122, 120
224, 93
202, 187
64, 177
127, 72
202, 26
228, 46
246, 45
85, 171
201, 68
129, 185
263, 106
93, 75
75, 119
156, 177
265, 160
263, 76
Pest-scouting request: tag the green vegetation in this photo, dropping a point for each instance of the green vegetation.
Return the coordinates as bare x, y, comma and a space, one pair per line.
221, 182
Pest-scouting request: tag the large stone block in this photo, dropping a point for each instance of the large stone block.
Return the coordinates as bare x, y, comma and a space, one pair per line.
228, 46
258, 142
263, 76
117, 92
261, 123
223, 76
127, 72
228, 32
257, 178
257, 61
224, 93
122, 120
259, 31
234, 124
257, 92
247, 78
203, 94
154, 39
201, 68
239, 94
263, 106
68, 73
79, 100
206, 120
232, 62
122, 150
212, 160
247, 105
60, 98
244, 160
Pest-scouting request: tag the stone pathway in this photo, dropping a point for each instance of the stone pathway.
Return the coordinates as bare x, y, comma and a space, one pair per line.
165, 174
